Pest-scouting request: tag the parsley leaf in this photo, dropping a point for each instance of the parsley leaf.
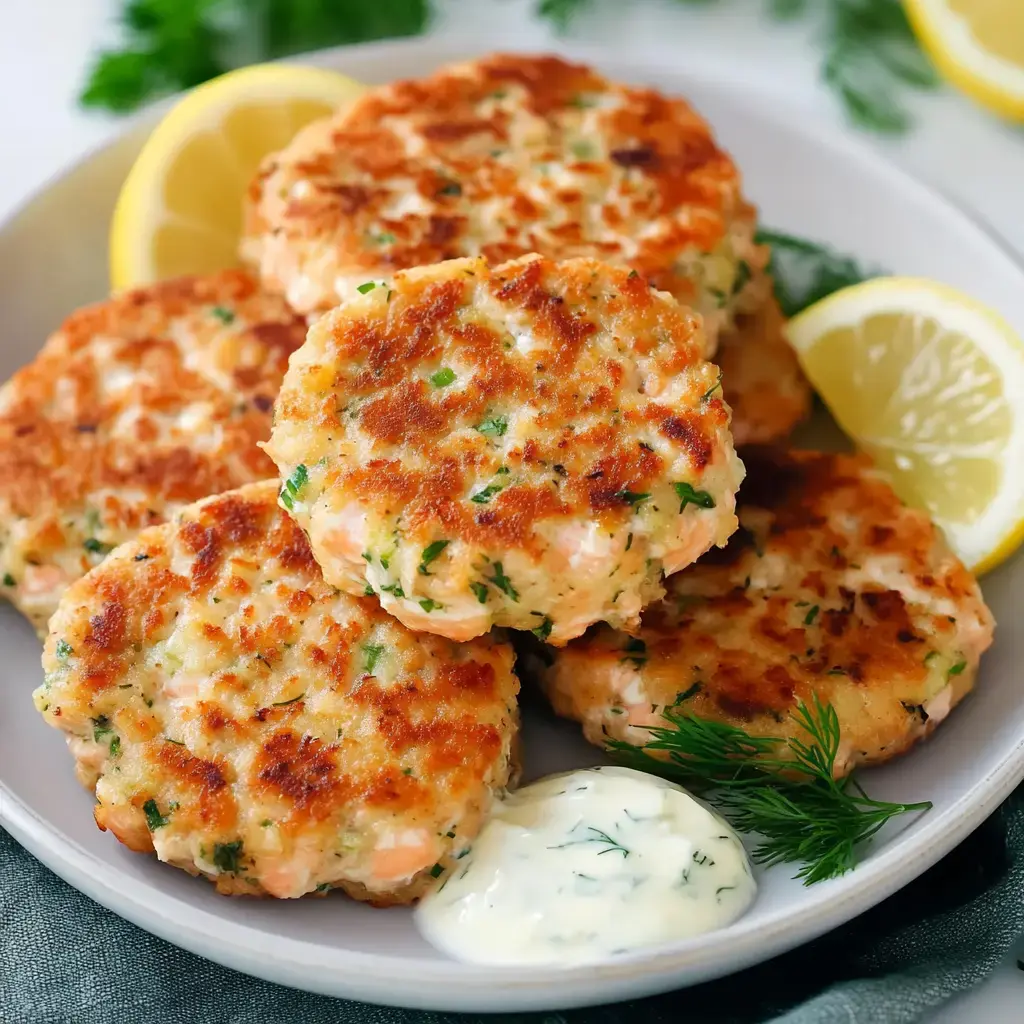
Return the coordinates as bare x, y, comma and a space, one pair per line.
443, 377
430, 552
806, 271
367, 286
373, 653
293, 485
227, 856
63, 650
543, 631
482, 497
631, 497
170, 45
480, 589
9, 580
502, 582
154, 819
688, 496
428, 604
223, 314
494, 427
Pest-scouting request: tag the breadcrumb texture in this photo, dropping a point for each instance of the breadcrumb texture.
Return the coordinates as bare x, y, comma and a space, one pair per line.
533, 446
502, 157
761, 377
134, 408
829, 587
248, 723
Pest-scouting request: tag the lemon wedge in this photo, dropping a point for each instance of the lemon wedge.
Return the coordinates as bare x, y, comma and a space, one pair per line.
930, 384
978, 45
180, 208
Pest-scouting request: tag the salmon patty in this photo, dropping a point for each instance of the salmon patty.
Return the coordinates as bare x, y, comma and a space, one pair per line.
829, 587
502, 157
533, 446
248, 723
134, 408
761, 377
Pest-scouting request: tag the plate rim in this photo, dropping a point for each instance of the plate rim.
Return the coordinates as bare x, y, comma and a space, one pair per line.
437, 984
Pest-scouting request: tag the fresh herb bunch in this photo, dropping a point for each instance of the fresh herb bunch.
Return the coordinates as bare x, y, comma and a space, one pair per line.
871, 52
791, 800
805, 272
870, 49
175, 44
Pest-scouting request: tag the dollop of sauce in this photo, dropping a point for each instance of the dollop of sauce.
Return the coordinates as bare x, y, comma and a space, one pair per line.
586, 865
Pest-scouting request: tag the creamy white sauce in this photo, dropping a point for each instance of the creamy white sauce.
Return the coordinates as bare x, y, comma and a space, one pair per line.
585, 865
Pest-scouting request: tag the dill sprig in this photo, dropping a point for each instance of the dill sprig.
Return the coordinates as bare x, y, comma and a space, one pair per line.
783, 790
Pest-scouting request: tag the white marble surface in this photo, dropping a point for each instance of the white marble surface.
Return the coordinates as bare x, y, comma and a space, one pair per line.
45, 48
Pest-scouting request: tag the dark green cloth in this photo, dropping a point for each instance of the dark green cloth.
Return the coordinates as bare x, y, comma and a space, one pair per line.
65, 960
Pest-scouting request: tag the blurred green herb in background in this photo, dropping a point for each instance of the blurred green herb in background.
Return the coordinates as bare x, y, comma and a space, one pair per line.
170, 45
871, 53
870, 56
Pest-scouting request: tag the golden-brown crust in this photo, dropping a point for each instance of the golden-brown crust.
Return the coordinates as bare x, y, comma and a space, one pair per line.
761, 377
501, 157
494, 408
829, 587
207, 670
133, 408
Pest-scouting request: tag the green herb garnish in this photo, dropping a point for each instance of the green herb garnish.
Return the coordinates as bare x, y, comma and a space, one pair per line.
291, 700
293, 485
395, 589
494, 427
631, 497
599, 837
714, 387
805, 272
436, 871
443, 377
482, 497
543, 631
63, 650
428, 604
502, 582
154, 819
870, 53
227, 856
101, 727
811, 615
170, 45
480, 589
811, 819
223, 314
367, 286
956, 669
742, 278
115, 746
96, 547
688, 496
9, 580
373, 653
430, 552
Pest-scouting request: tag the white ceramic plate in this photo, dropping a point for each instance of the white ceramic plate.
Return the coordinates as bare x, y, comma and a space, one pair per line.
807, 179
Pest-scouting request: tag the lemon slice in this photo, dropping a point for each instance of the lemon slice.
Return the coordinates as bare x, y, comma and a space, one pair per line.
979, 46
931, 385
180, 208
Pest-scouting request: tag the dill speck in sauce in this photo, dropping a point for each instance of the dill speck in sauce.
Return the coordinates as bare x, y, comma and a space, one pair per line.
585, 865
